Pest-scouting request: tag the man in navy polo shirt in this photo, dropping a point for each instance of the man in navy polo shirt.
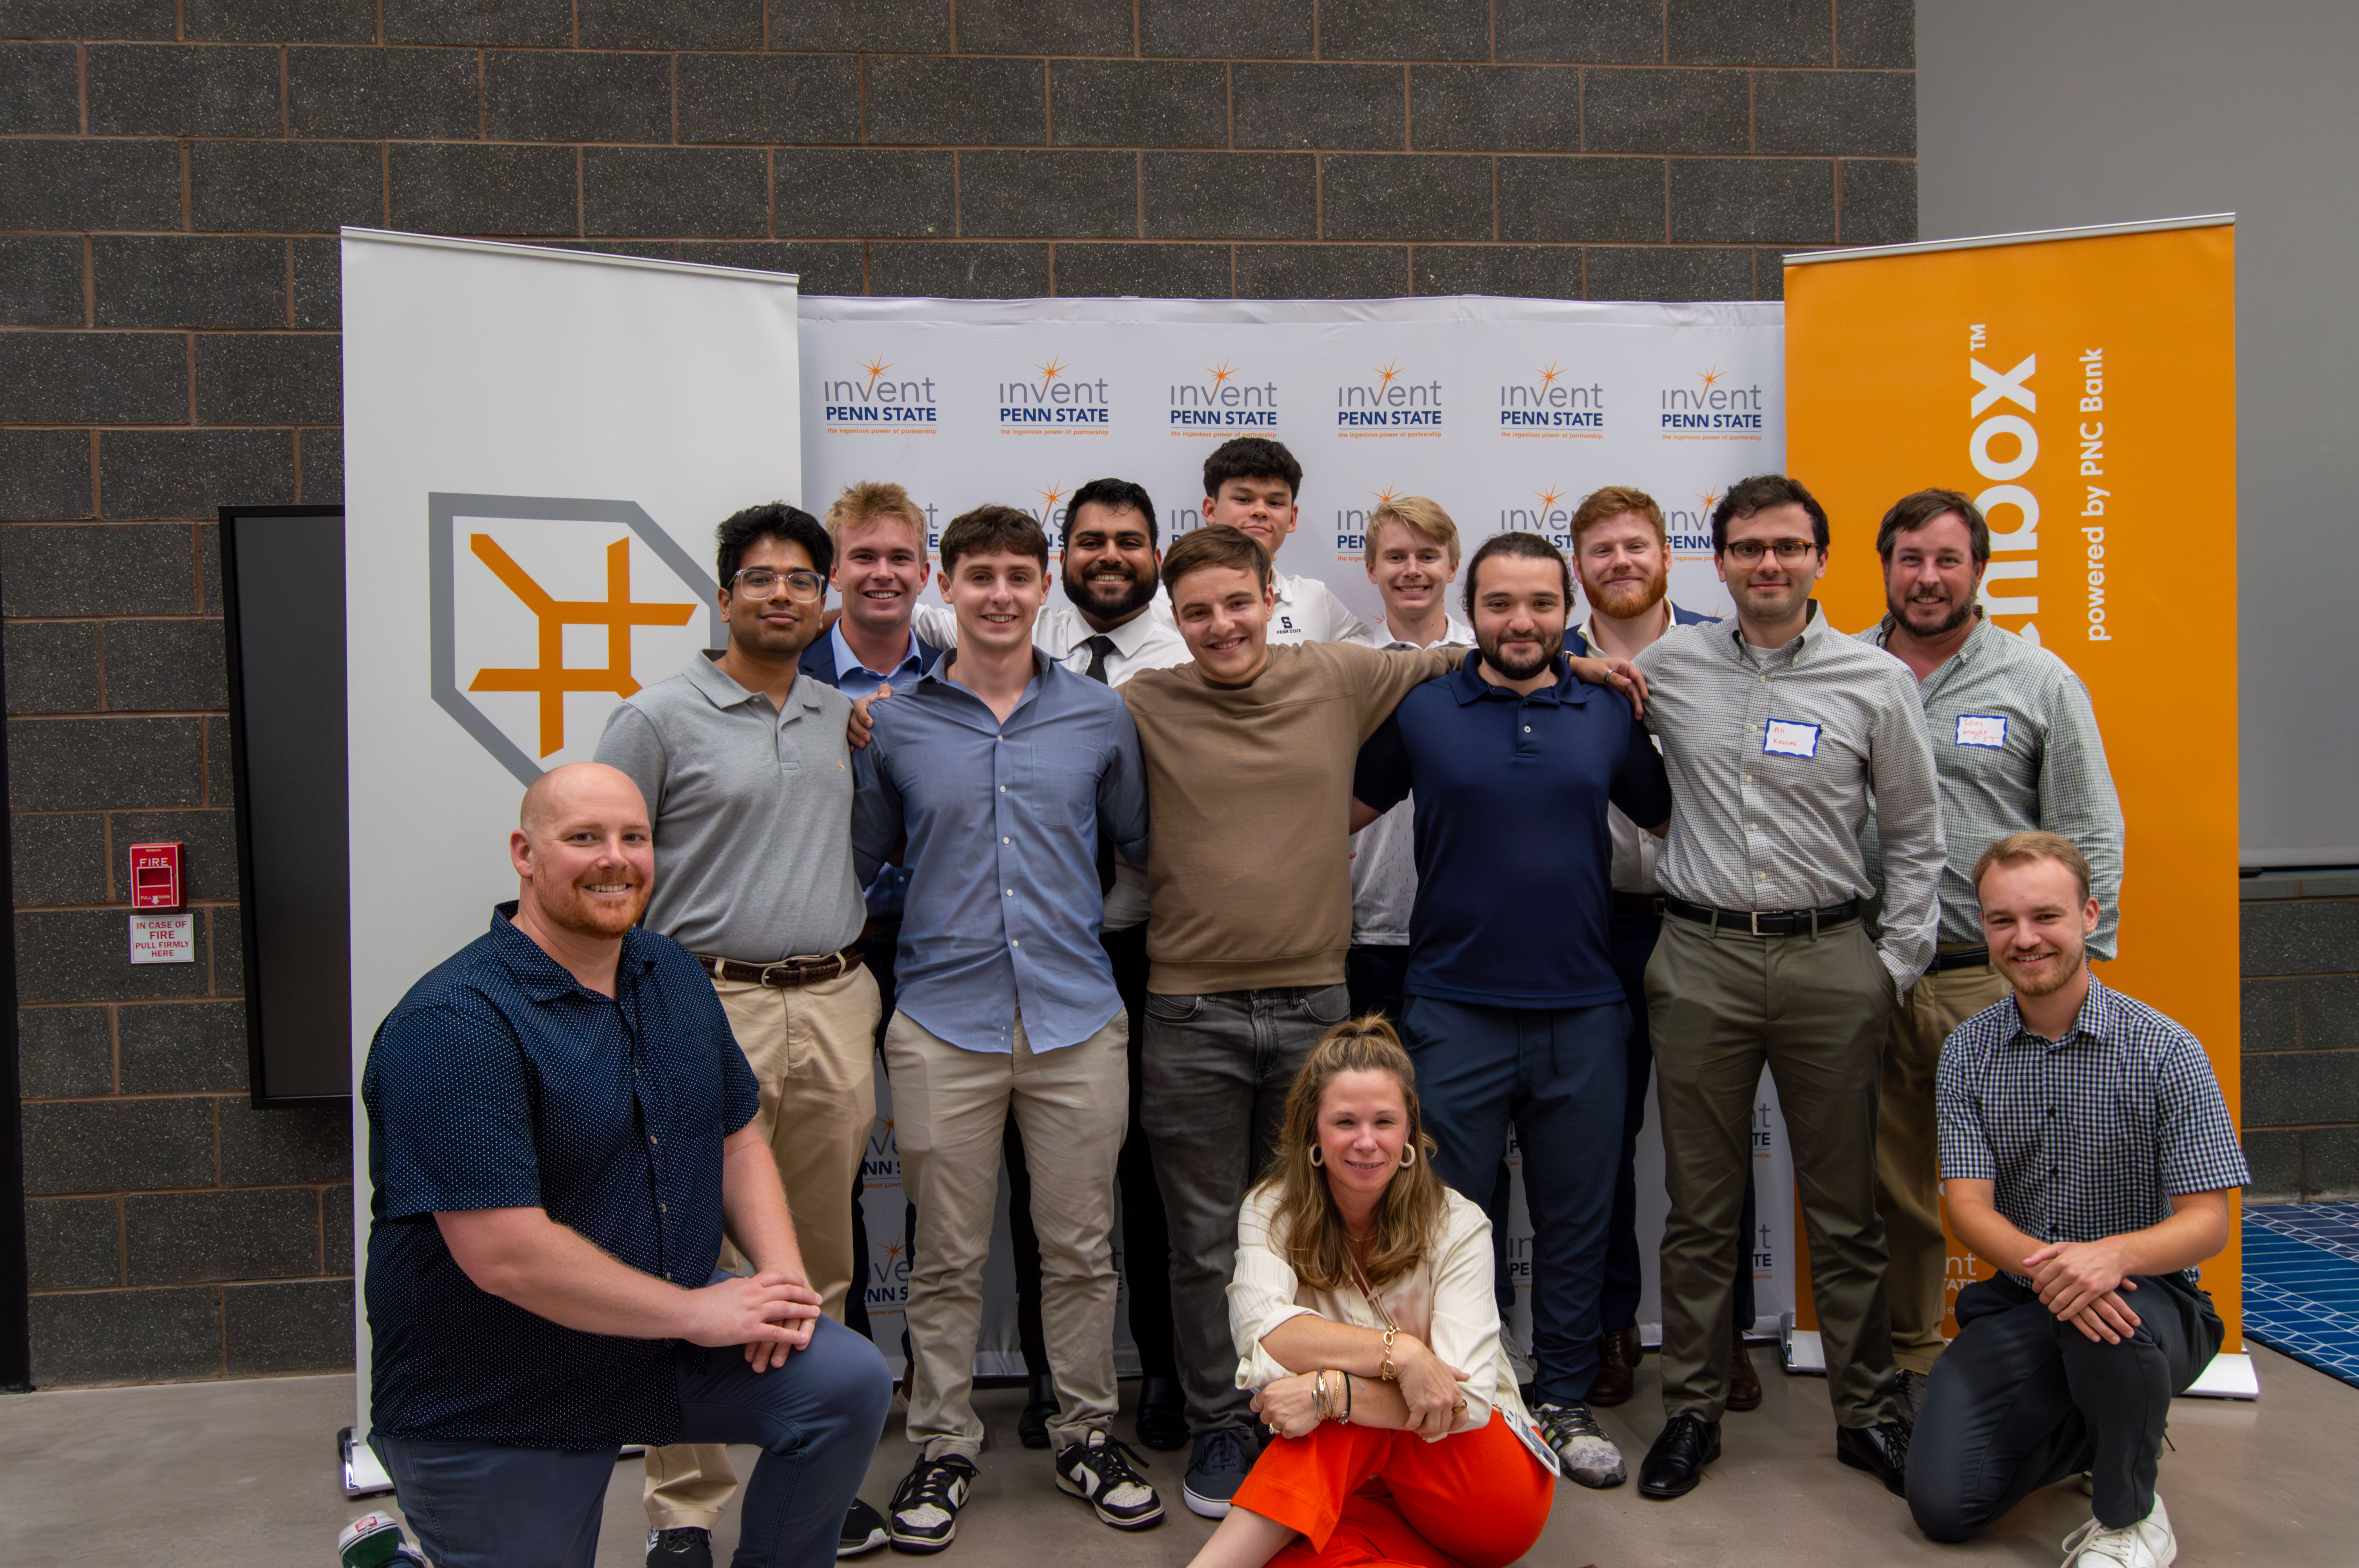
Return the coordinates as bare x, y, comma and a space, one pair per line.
561, 1128
1514, 1012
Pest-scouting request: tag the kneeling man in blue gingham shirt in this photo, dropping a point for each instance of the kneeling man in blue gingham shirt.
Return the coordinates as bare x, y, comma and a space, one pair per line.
2087, 1153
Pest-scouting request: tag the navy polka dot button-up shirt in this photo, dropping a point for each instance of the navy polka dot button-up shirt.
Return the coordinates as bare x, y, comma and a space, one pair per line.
501, 1082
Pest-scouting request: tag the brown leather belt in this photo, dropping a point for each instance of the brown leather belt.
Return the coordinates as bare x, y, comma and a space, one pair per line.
786, 973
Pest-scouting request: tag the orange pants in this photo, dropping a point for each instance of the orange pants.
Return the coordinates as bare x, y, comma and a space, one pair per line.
1361, 1496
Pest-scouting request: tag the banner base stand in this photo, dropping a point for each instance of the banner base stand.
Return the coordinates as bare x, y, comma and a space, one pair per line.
2227, 1378
363, 1475
1805, 1356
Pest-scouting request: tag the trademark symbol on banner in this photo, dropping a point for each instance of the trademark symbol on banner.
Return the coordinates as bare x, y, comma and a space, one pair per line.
547, 611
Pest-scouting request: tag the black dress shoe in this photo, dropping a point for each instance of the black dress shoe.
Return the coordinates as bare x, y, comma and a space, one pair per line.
1881, 1450
1032, 1426
1162, 1415
1675, 1464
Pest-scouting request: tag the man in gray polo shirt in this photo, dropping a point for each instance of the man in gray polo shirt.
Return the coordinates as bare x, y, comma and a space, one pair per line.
747, 770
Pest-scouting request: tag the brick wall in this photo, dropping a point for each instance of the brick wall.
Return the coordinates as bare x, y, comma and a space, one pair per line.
171, 176
2302, 1035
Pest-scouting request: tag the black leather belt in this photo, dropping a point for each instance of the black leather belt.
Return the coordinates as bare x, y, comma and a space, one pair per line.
1963, 959
1639, 904
786, 973
1765, 922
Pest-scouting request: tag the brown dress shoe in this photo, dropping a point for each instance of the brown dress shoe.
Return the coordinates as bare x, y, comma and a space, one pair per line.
1618, 1363
1743, 1379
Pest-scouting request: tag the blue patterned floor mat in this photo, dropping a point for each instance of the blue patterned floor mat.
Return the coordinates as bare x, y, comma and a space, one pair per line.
2301, 1284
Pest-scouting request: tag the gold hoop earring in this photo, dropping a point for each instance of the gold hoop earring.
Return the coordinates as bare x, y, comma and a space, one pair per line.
1408, 1156
1316, 1151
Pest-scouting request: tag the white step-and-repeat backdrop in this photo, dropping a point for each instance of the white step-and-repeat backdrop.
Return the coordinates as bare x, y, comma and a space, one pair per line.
1506, 411
538, 444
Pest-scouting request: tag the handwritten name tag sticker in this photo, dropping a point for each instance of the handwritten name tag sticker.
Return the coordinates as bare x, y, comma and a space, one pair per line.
1982, 730
1788, 738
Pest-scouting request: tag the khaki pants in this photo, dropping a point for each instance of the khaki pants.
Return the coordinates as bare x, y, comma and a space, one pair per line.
812, 1048
1814, 1008
949, 1107
1909, 1155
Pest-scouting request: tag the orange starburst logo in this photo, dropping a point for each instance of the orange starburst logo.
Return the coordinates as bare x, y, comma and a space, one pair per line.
1547, 372
1710, 498
1385, 496
1711, 378
1388, 370
1549, 498
1220, 373
875, 368
1050, 370
1048, 499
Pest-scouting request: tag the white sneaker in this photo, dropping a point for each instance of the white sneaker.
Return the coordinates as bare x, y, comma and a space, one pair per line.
1520, 1357
2149, 1543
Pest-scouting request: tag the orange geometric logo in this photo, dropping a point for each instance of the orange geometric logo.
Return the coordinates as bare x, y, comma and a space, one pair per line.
1709, 377
1549, 498
552, 681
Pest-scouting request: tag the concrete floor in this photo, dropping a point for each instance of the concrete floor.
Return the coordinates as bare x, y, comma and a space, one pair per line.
242, 1473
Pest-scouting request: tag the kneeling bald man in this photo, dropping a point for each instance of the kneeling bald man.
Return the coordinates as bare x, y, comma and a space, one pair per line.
561, 1130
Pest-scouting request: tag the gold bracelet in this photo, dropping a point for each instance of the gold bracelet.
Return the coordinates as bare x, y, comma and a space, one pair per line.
1319, 1392
1385, 1371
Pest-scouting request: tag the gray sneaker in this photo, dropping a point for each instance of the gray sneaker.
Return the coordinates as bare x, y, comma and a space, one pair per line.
1216, 1469
1590, 1457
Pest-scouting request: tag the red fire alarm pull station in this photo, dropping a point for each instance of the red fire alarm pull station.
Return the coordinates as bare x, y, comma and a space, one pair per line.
155, 876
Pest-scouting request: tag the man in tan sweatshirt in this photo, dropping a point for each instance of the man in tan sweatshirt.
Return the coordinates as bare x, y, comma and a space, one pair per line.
1249, 753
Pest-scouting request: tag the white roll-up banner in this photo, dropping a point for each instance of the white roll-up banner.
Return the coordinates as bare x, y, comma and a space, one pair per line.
538, 443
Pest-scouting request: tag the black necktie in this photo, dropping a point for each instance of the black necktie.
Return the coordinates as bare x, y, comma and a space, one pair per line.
1099, 646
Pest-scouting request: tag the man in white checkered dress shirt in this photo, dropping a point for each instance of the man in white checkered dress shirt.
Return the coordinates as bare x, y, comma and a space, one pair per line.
2087, 1153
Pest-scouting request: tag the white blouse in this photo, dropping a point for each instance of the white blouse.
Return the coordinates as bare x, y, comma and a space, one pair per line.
1445, 1301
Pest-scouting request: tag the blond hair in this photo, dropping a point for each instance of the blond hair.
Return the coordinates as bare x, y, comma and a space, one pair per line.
869, 500
2022, 848
1419, 516
1308, 1227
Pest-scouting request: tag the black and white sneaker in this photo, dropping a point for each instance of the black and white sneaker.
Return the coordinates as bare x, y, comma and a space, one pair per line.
686, 1547
1099, 1473
927, 1502
864, 1531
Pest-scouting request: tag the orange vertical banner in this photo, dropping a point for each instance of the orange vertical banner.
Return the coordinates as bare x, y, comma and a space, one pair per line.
2081, 384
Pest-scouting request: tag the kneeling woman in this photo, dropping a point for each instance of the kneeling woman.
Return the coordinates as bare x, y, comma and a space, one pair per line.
1364, 1315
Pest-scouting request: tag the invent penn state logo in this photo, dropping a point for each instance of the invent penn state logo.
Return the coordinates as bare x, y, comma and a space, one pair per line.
547, 611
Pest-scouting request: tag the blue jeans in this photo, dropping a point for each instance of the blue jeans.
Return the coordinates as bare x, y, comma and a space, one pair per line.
1218, 1069
1557, 1074
480, 1505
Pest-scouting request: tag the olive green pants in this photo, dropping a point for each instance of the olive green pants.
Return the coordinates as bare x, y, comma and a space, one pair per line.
1909, 1155
1813, 1008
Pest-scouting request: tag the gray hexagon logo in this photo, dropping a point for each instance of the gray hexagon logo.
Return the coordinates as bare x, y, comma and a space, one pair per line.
548, 611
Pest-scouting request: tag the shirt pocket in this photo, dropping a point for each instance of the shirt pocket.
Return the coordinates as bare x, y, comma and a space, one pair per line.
1062, 786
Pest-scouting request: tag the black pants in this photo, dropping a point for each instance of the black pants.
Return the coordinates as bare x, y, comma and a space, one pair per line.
1374, 977
1632, 936
2020, 1401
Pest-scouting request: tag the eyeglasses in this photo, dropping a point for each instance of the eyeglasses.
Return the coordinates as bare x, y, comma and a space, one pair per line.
1747, 551
761, 582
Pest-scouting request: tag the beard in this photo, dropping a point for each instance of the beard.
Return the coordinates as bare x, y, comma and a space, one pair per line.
1552, 644
1621, 600
1960, 614
570, 911
1128, 593
2057, 974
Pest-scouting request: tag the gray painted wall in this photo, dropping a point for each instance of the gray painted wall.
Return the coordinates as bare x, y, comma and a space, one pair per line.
2037, 114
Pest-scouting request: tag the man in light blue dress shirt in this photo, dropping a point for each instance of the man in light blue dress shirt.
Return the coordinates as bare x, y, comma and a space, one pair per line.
996, 771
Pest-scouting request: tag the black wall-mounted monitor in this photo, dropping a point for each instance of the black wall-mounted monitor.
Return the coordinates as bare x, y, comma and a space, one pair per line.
282, 610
